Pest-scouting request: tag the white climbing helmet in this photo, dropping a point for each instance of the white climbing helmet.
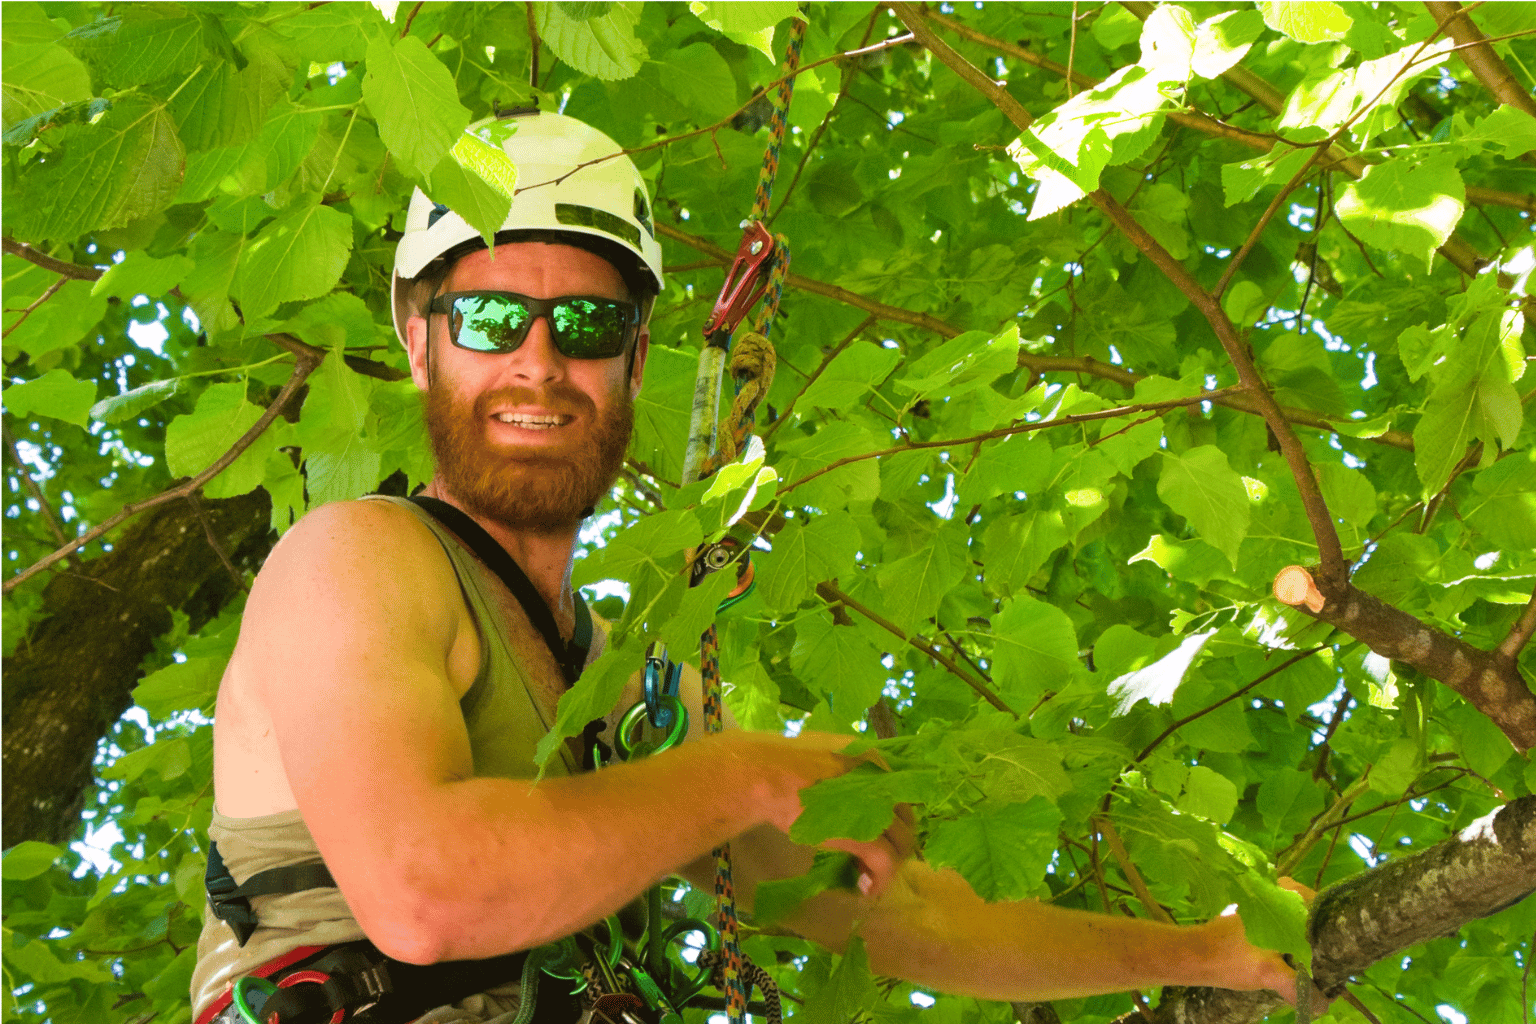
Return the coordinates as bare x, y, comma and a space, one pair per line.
606, 201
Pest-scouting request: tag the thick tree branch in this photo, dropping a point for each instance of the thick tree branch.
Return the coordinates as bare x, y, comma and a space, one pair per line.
1479, 56
304, 364
1489, 866
828, 592
1491, 683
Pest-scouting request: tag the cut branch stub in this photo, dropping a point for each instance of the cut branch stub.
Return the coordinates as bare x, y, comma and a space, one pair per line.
1490, 683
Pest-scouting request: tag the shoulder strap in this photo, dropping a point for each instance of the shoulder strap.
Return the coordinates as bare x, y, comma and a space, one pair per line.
571, 657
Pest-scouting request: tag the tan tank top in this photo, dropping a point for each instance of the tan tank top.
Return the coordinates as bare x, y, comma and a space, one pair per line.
505, 721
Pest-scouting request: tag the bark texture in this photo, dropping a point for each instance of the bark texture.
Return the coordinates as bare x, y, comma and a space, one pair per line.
1489, 866
73, 675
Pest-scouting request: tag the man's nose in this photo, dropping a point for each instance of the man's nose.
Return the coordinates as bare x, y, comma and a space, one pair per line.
536, 361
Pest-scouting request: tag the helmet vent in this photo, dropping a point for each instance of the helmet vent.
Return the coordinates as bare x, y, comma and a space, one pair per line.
438, 209
643, 213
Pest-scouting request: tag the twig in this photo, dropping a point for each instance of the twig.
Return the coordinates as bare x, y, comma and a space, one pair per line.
1011, 108
74, 271
304, 365
1292, 855
864, 325
533, 46
410, 18
215, 543
1480, 57
1181, 723
1122, 858
47, 294
1018, 428
1071, 49
829, 593
1520, 633
37, 494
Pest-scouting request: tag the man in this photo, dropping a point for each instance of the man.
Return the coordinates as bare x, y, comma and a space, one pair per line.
382, 705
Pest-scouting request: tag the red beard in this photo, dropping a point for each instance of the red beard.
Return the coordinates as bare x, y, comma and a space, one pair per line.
525, 488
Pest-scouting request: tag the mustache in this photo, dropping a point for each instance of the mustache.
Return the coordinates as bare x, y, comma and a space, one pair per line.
557, 398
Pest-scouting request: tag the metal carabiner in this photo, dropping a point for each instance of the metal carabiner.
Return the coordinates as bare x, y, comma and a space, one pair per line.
661, 679
744, 284
627, 742
682, 994
249, 995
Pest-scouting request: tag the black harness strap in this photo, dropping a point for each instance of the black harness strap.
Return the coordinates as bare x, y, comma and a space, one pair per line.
232, 903
572, 656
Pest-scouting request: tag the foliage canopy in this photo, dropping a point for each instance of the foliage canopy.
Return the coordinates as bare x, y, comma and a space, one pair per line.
1022, 497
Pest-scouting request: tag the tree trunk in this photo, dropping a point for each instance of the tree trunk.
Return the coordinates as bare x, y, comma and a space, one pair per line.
73, 675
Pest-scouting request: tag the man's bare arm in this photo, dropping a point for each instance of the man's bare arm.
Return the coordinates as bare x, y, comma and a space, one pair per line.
358, 664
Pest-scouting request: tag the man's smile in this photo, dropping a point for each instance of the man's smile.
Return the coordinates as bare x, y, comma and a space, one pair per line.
532, 420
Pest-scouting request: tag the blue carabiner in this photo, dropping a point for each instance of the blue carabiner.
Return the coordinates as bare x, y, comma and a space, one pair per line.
662, 679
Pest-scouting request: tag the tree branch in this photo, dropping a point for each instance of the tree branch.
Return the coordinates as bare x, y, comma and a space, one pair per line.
49, 293
37, 494
1491, 683
1128, 869
1489, 866
1331, 552
74, 271
304, 364
828, 592
1520, 633
1018, 428
1479, 56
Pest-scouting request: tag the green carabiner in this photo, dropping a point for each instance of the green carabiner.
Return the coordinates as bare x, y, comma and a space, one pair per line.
250, 994
682, 994
631, 746
568, 967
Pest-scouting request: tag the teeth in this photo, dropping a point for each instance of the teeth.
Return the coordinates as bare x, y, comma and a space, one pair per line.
544, 422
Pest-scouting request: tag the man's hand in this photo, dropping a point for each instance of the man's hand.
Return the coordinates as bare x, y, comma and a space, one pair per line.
1240, 965
806, 760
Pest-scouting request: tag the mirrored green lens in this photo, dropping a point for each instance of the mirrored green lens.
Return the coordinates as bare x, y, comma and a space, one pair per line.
490, 323
589, 329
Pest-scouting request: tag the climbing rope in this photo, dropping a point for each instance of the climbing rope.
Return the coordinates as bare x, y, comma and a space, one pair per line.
752, 368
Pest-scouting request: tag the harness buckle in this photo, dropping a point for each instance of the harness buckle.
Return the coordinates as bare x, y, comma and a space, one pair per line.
744, 284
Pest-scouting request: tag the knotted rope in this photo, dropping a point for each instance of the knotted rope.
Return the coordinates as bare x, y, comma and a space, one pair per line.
755, 361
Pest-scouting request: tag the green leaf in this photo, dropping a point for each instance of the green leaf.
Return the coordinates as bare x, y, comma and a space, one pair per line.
1001, 851
1507, 127
1200, 486
1034, 649
170, 758
849, 990
141, 274
28, 859
125, 166
647, 545
805, 553
840, 663
185, 686
593, 696
1405, 207
1209, 795
915, 585
1222, 41
776, 900
55, 394
748, 22
476, 180
300, 255
129, 404
223, 106
413, 98
1273, 918
857, 370
40, 77
603, 47
1348, 494
698, 77
859, 805
1019, 545
196, 440
963, 363
1019, 463
1242, 181
1503, 504
1157, 682
1327, 99
1306, 21
140, 50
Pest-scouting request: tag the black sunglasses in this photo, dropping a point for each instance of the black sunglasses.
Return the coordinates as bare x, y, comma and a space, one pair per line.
582, 326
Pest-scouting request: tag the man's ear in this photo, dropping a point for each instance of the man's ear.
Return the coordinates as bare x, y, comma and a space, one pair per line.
637, 364
419, 351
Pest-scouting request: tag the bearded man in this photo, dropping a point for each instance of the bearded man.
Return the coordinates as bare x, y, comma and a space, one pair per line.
378, 846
